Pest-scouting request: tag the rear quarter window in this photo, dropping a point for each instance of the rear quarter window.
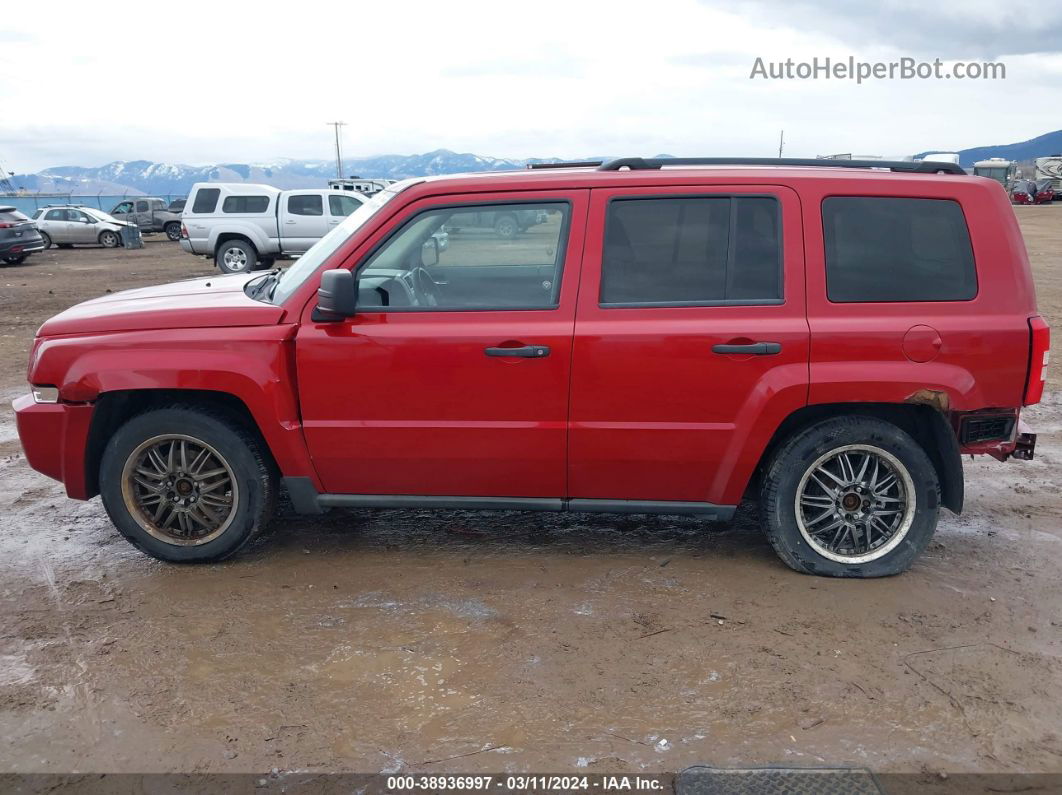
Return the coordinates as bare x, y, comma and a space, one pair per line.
206, 200
245, 204
12, 216
897, 250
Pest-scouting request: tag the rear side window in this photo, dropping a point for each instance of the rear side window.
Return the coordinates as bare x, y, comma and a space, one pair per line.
245, 204
141, 207
12, 216
692, 251
305, 205
897, 250
206, 200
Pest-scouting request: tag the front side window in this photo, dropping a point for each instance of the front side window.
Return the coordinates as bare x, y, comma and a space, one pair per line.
245, 204
305, 205
897, 250
124, 207
505, 256
206, 200
692, 251
342, 206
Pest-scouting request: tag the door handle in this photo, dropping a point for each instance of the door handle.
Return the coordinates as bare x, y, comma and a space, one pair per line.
752, 348
289, 222
525, 352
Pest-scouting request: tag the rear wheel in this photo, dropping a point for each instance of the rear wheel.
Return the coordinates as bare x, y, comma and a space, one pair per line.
47, 239
173, 230
236, 256
850, 497
15, 260
186, 485
109, 239
505, 227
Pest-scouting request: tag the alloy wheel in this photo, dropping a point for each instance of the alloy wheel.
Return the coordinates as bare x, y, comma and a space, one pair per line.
180, 489
855, 503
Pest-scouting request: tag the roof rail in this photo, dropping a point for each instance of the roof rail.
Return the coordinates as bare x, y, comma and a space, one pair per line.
908, 166
567, 164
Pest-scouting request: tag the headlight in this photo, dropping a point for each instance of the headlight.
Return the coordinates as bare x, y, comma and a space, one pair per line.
45, 394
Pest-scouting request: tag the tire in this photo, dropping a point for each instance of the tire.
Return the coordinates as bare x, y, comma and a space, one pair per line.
15, 260
802, 535
505, 226
173, 230
64, 245
236, 256
110, 239
239, 483
47, 240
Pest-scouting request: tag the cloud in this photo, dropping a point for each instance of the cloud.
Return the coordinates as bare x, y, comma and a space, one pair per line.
949, 29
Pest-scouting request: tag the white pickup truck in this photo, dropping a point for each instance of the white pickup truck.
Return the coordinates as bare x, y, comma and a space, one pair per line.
244, 226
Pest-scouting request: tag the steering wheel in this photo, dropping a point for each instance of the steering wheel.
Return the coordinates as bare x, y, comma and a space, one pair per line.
424, 287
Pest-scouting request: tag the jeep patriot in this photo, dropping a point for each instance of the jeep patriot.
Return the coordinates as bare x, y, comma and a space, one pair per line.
672, 336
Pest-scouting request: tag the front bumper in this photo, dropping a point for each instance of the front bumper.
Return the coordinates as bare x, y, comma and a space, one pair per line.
54, 437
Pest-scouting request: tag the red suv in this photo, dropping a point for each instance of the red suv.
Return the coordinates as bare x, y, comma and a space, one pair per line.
671, 336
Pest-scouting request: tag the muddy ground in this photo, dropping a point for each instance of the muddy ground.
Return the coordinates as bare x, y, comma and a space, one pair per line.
458, 641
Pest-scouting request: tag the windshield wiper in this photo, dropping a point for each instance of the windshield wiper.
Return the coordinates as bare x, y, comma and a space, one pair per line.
267, 282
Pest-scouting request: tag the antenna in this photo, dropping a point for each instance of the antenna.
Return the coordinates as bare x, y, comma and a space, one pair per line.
339, 155
781, 142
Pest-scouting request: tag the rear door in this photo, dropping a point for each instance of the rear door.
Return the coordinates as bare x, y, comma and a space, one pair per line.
56, 226
691, 341
339, 206
302, 220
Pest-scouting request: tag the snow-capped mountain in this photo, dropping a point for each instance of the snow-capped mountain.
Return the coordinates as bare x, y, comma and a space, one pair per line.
144, 177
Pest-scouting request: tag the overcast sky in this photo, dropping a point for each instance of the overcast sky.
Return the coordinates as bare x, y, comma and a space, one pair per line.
204, 82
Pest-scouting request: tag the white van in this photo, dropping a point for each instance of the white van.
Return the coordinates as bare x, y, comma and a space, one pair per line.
245, 226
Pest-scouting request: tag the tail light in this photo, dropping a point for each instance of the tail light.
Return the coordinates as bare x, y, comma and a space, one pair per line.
1039, 353
6, 225
184, 231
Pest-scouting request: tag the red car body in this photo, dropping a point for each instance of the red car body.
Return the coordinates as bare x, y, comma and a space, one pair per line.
630, 409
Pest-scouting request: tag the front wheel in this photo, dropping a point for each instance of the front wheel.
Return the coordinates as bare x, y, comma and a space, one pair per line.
109, 239
173, 230
850, 496
186, 485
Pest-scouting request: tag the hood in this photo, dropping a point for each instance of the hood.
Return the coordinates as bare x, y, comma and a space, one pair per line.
217, 301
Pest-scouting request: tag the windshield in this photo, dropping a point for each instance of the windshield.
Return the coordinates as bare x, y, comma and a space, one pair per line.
102, 215
293, 277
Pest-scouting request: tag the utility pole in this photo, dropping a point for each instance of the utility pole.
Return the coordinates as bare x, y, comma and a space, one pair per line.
781, 142
339, 155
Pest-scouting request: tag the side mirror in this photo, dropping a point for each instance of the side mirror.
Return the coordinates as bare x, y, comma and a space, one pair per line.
429, 252
337, 297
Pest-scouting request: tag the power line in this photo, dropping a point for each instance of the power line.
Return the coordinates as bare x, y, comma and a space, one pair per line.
339, 154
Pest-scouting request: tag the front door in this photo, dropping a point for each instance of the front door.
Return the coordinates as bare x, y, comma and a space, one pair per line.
691, 340
302, 221
453, 377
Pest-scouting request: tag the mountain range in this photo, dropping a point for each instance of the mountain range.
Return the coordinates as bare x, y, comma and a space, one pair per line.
135, 177
145, 177
1040, 146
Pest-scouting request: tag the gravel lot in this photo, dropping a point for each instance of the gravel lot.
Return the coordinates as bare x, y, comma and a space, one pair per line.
457, 641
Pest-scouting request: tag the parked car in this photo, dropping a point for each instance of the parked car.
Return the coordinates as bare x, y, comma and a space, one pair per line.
177, 206
66, 225
18, 236
505, 222
151, 215
1023, 192
1045, 191
825, 335
243, 226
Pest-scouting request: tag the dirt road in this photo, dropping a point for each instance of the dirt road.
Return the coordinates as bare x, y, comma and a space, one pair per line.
457, 641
